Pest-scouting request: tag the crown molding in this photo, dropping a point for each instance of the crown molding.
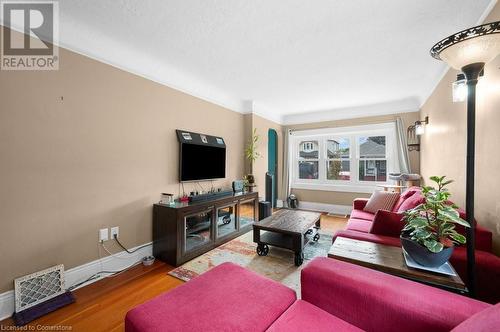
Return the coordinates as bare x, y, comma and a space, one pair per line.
407, 105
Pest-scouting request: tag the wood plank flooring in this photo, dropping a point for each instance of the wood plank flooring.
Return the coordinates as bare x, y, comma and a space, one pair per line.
102, 305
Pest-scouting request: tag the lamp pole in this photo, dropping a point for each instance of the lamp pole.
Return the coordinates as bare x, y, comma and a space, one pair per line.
471, 74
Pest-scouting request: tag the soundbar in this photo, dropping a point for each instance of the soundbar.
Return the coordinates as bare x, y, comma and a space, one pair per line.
211, 195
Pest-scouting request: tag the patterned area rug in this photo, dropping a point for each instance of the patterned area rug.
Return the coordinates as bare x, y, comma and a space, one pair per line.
277, 265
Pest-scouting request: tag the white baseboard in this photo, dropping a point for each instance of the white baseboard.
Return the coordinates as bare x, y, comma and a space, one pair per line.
78, 274
323, 207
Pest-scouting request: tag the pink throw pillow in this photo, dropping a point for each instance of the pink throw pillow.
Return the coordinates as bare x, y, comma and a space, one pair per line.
381, 200
413, 201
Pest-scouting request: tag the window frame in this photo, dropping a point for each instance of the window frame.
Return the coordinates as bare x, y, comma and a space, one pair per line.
353, 134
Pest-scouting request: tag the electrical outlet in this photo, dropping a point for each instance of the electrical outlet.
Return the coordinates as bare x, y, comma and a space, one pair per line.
115, 231
103, 234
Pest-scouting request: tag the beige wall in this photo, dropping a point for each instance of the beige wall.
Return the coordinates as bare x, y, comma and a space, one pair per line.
344, 198
87, 147
259, 167
444, 143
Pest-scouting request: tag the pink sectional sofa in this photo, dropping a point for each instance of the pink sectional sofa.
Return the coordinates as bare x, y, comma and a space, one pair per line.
336, 296
385, 226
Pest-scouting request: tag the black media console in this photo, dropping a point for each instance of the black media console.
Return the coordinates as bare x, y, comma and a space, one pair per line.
186, 230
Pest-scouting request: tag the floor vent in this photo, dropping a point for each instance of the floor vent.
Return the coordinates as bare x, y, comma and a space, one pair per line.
39, 287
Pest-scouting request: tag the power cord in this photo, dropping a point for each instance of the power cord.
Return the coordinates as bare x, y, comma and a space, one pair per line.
123, 247
98, 275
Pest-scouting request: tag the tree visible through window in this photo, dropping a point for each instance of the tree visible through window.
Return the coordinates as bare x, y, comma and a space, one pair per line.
338, 164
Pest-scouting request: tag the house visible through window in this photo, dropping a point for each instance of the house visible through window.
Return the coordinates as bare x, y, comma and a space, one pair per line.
352, 159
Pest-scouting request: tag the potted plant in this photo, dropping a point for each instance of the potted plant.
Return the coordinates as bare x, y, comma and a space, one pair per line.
252, 155
429, 235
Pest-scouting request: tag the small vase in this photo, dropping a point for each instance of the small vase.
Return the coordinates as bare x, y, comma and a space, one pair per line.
422, 255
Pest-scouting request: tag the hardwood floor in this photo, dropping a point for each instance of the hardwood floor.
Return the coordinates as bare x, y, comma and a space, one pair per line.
102, 305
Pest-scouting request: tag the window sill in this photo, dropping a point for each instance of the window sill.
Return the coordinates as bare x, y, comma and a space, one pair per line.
350, 188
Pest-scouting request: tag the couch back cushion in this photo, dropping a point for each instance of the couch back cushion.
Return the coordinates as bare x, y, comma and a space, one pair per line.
413, 201
381, 200
484, 321
404, 196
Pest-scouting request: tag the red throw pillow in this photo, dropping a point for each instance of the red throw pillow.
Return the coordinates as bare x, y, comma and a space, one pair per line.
413, 201
381, 200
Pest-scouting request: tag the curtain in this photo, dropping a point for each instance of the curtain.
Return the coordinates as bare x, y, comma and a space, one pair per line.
404, 159
286, 167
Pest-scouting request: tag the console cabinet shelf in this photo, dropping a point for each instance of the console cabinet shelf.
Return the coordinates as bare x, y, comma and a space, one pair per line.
186, 230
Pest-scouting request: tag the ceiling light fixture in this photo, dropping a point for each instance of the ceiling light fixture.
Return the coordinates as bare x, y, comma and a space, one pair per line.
469, 50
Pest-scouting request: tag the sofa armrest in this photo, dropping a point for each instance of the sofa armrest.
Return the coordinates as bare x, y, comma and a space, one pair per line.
483, 239
359, 203
487, 269
375, 301
387, 223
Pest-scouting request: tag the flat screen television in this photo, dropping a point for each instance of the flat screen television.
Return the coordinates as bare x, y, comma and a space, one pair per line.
202, 157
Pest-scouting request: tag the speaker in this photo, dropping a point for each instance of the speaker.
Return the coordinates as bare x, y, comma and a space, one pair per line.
265, 209
270, 188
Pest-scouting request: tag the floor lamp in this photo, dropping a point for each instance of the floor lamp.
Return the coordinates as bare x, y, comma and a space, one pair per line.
469, 50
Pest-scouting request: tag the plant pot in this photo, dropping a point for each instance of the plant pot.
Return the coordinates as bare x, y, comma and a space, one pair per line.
422, 255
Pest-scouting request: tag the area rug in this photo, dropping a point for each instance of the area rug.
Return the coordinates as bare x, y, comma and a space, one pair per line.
277, 265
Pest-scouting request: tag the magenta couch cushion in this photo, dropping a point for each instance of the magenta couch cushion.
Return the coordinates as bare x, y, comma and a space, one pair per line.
226, 298
485, 321
376, 301
360, 214
303, 316
359, 225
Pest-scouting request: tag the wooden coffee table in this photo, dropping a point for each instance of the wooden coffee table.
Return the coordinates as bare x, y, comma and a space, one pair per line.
390, 260
288, 229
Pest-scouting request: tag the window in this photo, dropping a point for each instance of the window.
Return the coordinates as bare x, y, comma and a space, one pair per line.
354, 159
308, 160
372, 158
338, 164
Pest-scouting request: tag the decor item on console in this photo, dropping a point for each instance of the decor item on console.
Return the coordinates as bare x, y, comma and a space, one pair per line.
429, 235
249, 181
252, 155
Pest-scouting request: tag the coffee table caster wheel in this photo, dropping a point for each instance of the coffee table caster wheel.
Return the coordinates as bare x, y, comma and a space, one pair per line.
299, 259
262, 249
316, 237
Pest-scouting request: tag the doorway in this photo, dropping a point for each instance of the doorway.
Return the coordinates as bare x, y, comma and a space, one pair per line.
272, 166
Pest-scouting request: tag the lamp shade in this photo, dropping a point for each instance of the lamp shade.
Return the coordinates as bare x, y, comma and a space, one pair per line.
479, 44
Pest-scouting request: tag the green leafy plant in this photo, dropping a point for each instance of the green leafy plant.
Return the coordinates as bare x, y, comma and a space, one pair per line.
432, 224
251, 152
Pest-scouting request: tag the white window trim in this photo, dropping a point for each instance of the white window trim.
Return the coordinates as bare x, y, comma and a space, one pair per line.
353, 133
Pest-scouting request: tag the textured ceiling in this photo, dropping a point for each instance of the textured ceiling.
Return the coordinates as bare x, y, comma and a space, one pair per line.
288, 57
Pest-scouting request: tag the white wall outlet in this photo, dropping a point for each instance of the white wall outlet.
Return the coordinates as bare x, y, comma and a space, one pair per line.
103, 234
115, 231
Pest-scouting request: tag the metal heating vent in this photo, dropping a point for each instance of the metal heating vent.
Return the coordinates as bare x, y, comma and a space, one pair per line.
39, 287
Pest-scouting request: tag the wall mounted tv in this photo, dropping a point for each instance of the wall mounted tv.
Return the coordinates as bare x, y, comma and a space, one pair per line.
201, 157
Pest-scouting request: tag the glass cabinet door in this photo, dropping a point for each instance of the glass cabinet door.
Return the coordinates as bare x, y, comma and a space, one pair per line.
198, 228
247, 212
226, 220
